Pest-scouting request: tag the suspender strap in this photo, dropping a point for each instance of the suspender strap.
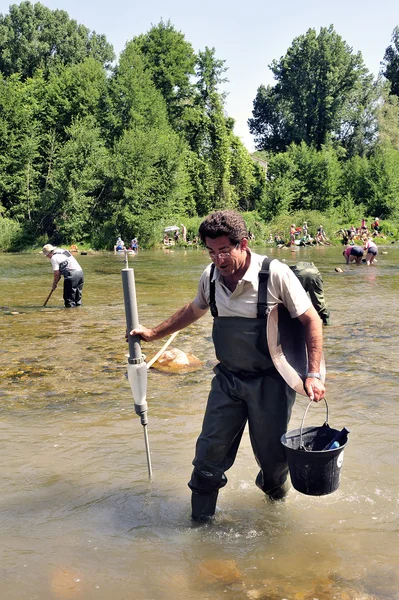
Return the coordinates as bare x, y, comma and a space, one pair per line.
212, 302
262, 290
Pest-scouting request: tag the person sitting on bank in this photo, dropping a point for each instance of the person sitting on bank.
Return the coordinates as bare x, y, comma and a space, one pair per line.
120, 244
239, 287
353, 254
63, 263
312, 282
372, 250
376, 225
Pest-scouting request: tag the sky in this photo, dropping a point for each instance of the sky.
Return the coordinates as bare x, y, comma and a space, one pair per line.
247, 35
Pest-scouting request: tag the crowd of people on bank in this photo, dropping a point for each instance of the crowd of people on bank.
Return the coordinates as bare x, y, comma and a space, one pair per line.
175, 235
301, 236
349, 236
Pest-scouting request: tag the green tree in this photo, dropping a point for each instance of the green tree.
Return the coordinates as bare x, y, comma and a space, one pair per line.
70, 92
390, 62
388, 119
302, 178
149, 158
171, 61
32, 36
318, 81
77, 184
19, 149
383, 182
135, 100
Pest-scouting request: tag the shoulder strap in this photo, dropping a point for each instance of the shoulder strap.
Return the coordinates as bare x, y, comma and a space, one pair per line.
212, 301
262, 291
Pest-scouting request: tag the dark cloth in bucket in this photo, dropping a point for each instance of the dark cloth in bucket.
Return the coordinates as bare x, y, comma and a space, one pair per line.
313, 471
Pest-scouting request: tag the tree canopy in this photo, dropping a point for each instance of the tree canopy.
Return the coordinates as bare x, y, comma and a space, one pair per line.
390, 62
90, 148
322, 93
32, 36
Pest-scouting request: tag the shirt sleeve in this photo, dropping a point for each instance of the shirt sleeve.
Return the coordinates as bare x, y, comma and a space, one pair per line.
286, 288
55, 262
202, 298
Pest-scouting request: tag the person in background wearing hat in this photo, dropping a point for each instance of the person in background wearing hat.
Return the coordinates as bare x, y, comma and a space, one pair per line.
65, 264
353, 253
376, 225
312, 281
240, 287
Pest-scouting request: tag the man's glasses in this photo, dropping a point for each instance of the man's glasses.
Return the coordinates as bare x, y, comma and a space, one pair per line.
224, 254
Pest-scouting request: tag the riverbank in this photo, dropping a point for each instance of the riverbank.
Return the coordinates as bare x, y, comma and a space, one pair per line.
267, 234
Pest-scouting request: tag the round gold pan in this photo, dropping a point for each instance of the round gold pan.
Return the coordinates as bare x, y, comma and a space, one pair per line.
287, 347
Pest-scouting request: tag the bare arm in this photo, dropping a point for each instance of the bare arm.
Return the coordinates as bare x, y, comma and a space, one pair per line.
184, 317
57, 277
314, 342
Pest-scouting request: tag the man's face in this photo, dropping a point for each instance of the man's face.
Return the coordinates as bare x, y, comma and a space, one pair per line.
228, 258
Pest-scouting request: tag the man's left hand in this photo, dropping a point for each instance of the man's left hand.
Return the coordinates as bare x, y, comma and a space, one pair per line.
315, 389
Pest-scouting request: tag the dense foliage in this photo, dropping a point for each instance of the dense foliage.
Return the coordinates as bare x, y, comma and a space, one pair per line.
91, 148
329, 134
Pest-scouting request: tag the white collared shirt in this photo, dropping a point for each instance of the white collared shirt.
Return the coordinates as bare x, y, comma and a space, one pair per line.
283, 287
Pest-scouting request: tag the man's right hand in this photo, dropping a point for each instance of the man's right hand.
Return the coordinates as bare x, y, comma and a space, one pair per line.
144, 333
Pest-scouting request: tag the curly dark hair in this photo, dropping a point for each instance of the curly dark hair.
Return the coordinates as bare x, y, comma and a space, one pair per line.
224, 222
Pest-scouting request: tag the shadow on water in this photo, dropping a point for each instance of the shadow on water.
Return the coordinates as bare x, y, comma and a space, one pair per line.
79, 518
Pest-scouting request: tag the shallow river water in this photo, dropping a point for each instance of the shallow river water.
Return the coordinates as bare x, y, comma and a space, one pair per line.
78, 516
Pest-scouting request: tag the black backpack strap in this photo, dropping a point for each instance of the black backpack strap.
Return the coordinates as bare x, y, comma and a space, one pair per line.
212, 301
262, 291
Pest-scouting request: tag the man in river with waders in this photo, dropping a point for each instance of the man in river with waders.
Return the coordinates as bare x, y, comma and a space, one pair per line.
65, 264
240, 287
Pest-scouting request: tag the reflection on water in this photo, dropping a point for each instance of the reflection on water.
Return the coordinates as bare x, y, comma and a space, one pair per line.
79, 518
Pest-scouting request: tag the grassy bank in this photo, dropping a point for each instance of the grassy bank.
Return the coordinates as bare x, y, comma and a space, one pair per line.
13, 238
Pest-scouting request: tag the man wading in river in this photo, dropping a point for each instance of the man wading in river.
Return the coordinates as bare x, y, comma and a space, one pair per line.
246, 386
66, 265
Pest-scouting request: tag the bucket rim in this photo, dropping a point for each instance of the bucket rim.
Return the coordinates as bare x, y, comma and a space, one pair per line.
296, 434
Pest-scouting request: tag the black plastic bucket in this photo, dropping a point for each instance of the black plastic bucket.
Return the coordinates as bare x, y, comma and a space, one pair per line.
313, 471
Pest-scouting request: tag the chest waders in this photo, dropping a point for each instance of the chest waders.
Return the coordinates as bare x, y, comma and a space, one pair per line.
246, 388
73, 282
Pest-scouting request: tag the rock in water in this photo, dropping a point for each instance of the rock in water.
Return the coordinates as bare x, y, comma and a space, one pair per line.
177, 361
223, 571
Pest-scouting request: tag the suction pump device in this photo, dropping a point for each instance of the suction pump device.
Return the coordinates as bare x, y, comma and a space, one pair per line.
136, 367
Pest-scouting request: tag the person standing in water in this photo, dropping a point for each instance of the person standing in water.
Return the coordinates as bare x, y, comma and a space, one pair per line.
240, 287
372, 250
353, 254
65, 264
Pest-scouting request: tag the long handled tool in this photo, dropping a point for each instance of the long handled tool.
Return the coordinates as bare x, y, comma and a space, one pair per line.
136, 368
48, 297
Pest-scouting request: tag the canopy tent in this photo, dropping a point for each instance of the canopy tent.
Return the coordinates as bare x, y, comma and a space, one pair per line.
171, 228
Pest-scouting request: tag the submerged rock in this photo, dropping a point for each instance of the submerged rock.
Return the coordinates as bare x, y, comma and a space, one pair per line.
225, 571
177, 361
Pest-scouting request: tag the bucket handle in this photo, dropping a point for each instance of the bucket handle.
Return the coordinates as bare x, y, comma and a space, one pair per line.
303, 421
